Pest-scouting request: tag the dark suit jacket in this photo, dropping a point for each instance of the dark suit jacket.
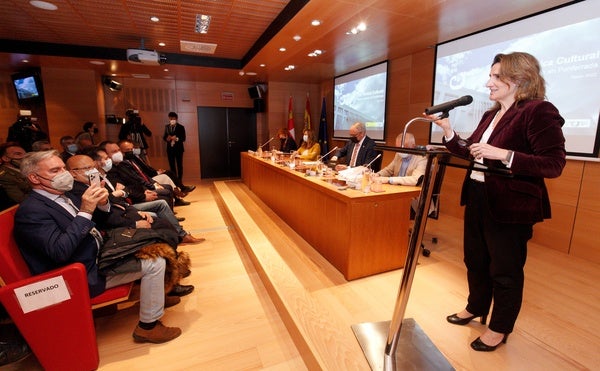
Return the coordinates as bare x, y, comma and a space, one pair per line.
179, 132
532, 129
50, 237
366, 153
134, 185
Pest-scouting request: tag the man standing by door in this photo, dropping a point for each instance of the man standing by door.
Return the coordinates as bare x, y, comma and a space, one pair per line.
175, 136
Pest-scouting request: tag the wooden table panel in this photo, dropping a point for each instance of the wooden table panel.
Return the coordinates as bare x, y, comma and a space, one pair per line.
358, 233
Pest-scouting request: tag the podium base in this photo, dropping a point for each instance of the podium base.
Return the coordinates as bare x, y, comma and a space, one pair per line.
414, 351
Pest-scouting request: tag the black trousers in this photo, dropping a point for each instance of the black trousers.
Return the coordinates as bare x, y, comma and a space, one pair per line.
175, 158
495, 255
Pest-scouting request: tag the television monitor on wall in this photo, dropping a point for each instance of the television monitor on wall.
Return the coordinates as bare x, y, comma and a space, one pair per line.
566, 42
361, 96
28, 86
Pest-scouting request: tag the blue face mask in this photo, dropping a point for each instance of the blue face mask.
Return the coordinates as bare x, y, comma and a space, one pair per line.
72, 148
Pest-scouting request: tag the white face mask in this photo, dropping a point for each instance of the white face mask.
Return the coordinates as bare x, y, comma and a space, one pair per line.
137, 151
172, 122
117, 157
107, 165
305, 138
404, 155
61, 182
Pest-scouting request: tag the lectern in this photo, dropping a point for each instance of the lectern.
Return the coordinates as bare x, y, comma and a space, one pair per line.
400, 344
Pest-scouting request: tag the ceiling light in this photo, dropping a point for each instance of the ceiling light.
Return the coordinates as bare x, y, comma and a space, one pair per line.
25, 60
262, 65
251, 73
290, 67
161, 44
154, 19
315, 53
241, 73
43, 5
202, 23
297, 38
166, 70
97, 63
316, 22
362, 26
282, 49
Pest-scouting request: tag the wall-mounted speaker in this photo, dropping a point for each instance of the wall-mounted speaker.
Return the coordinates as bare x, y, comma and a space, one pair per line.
254, 92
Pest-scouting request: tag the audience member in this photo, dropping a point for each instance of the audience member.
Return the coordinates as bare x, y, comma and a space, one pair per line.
41, 145
69, 147
405, 168
360, 149
25, 130
14, 184
51, 233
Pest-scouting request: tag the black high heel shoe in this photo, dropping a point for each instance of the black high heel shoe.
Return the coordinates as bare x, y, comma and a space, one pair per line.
480, 346
456, 320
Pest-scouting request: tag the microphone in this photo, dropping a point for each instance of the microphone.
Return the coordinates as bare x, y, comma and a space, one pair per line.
445, 107
373, 160
267, 142
322, 157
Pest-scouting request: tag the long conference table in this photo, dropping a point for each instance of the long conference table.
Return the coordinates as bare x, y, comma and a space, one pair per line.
359, 233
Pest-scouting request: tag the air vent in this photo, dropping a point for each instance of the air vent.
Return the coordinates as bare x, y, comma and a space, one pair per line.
194, 47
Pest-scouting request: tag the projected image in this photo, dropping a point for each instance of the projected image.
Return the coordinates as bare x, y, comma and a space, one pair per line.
360, 97
570, 59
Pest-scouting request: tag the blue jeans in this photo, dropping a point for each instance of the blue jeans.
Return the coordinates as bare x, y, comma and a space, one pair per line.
152, 289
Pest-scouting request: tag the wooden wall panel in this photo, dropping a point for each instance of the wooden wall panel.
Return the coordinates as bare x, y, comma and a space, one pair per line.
585, 238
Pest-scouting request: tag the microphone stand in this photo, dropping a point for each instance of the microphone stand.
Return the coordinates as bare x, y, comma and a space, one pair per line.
267, 142
322, 157
368, 166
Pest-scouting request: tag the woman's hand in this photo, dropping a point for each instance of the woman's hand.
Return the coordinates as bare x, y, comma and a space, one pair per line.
484, 150
444, 124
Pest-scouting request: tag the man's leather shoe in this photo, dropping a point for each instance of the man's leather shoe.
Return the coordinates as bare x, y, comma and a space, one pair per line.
180, 218
159, 334
188, 238
181, 202
188, 189
171, 301
181, 290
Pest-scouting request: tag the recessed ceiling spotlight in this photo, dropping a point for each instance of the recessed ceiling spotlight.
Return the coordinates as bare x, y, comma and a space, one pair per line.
262, 65
315, 53
241, 73
315, 22
290, 67
251, 73
297, 38
154, 19
166, 70
97, 63
43, 5
25, 60
161, 44
362, 26
282, 49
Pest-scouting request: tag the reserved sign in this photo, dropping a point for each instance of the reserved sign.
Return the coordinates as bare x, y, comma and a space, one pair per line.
42, 294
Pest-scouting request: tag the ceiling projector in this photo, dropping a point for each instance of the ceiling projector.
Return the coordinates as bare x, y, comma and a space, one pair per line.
147, 57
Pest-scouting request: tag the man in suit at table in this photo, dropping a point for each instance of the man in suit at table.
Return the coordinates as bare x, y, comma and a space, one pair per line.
53, 230
360, 149
405, 168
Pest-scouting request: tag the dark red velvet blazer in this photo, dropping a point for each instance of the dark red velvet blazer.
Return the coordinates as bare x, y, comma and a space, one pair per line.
533, 130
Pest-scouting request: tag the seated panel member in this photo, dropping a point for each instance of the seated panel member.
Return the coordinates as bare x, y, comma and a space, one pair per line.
405, 169
310, 149
360, 149
51, 233
287, 144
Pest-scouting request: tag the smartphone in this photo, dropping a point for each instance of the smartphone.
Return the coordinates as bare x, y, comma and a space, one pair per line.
94, 178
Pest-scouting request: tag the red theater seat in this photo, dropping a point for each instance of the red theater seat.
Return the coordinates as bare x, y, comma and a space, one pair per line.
61, 334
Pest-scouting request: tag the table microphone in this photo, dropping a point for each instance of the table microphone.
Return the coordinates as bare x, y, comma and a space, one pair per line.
373, 160
320, 158
267, 142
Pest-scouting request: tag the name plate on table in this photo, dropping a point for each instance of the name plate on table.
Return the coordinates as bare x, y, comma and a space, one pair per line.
42, 294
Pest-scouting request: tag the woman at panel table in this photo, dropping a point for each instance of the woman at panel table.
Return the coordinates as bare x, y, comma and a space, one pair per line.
310, 149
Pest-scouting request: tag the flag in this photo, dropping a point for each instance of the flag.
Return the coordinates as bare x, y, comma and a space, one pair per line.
291, 119
307, 114
323, 142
